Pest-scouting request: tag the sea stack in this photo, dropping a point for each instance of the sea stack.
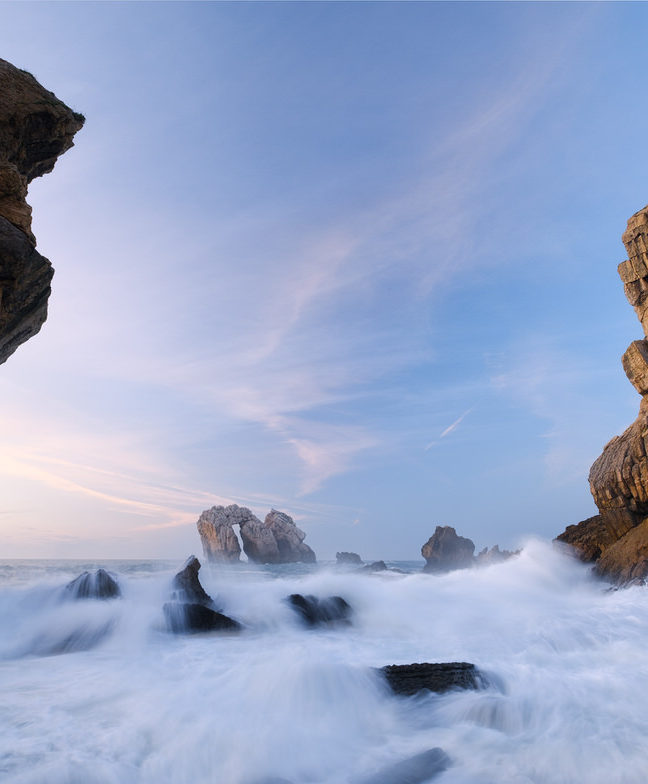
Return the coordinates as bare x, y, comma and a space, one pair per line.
616, 539
35, 128
275, 540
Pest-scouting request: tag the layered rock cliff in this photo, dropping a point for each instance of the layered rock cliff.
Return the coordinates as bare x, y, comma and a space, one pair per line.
275, 540
616, 539
35, 128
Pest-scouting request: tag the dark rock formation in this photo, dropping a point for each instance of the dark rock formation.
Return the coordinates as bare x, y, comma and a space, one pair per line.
93, 585
616, 539
35, 128
333, 610
191, 618
191, 608
276, 540
186, 585
445, 551
348, 558
413, 770
409, 679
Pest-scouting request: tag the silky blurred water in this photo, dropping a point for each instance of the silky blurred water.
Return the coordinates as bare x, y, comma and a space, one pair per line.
97, 692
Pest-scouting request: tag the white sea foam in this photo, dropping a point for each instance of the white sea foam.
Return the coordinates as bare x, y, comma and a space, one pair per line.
566, 660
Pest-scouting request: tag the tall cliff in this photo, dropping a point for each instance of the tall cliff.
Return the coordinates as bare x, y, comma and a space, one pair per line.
616, 539
35, 128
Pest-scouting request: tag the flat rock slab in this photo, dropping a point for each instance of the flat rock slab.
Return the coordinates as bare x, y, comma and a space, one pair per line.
409, 679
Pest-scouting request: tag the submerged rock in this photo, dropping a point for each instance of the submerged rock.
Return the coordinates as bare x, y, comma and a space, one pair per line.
418, 769
616, 540
321, 612
445, 551
35, 129
409, 679
348, 558
488, 557
83, 638
93, 585
190, 618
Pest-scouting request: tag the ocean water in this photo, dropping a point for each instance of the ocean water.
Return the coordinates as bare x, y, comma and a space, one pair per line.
97, 692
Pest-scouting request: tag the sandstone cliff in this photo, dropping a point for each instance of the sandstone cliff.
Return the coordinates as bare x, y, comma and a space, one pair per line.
616, 539
276, 540
35, 128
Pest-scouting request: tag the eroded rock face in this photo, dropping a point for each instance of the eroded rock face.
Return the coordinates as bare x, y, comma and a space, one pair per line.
445, 551
219, 540
276, 540
616, 539
35, 128
289, 538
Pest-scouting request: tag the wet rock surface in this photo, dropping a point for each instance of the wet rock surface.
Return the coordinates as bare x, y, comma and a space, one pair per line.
190, 618
35, 129
191, 609
410, 679
332, 610
616, 540
93, 585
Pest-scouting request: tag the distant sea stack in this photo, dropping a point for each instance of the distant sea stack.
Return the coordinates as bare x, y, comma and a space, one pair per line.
35, 128
275, 540
616, 540
445, 551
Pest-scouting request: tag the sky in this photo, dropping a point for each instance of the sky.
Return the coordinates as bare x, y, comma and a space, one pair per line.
353, 261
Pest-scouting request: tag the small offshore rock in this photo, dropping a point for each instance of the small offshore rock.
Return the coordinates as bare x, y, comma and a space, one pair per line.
376, 566
488, 557
445, 551
348, 558
93, 585
418, 769
189, 618
321, 612
409, 679
186, 585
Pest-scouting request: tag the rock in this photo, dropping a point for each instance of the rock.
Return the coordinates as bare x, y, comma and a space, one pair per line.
219, 539
191, 618
321, 612
259, 542
93, 585
409, 679
186, 585
445, 551
276, 540
488, 557
348, 558
616, 539
35, 128
191, 609
289, 538
418, 769
376, 566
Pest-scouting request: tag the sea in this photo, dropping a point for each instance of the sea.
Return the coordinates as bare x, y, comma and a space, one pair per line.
99, 692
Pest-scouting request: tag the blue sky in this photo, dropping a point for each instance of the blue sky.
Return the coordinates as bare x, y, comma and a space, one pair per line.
354, 261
